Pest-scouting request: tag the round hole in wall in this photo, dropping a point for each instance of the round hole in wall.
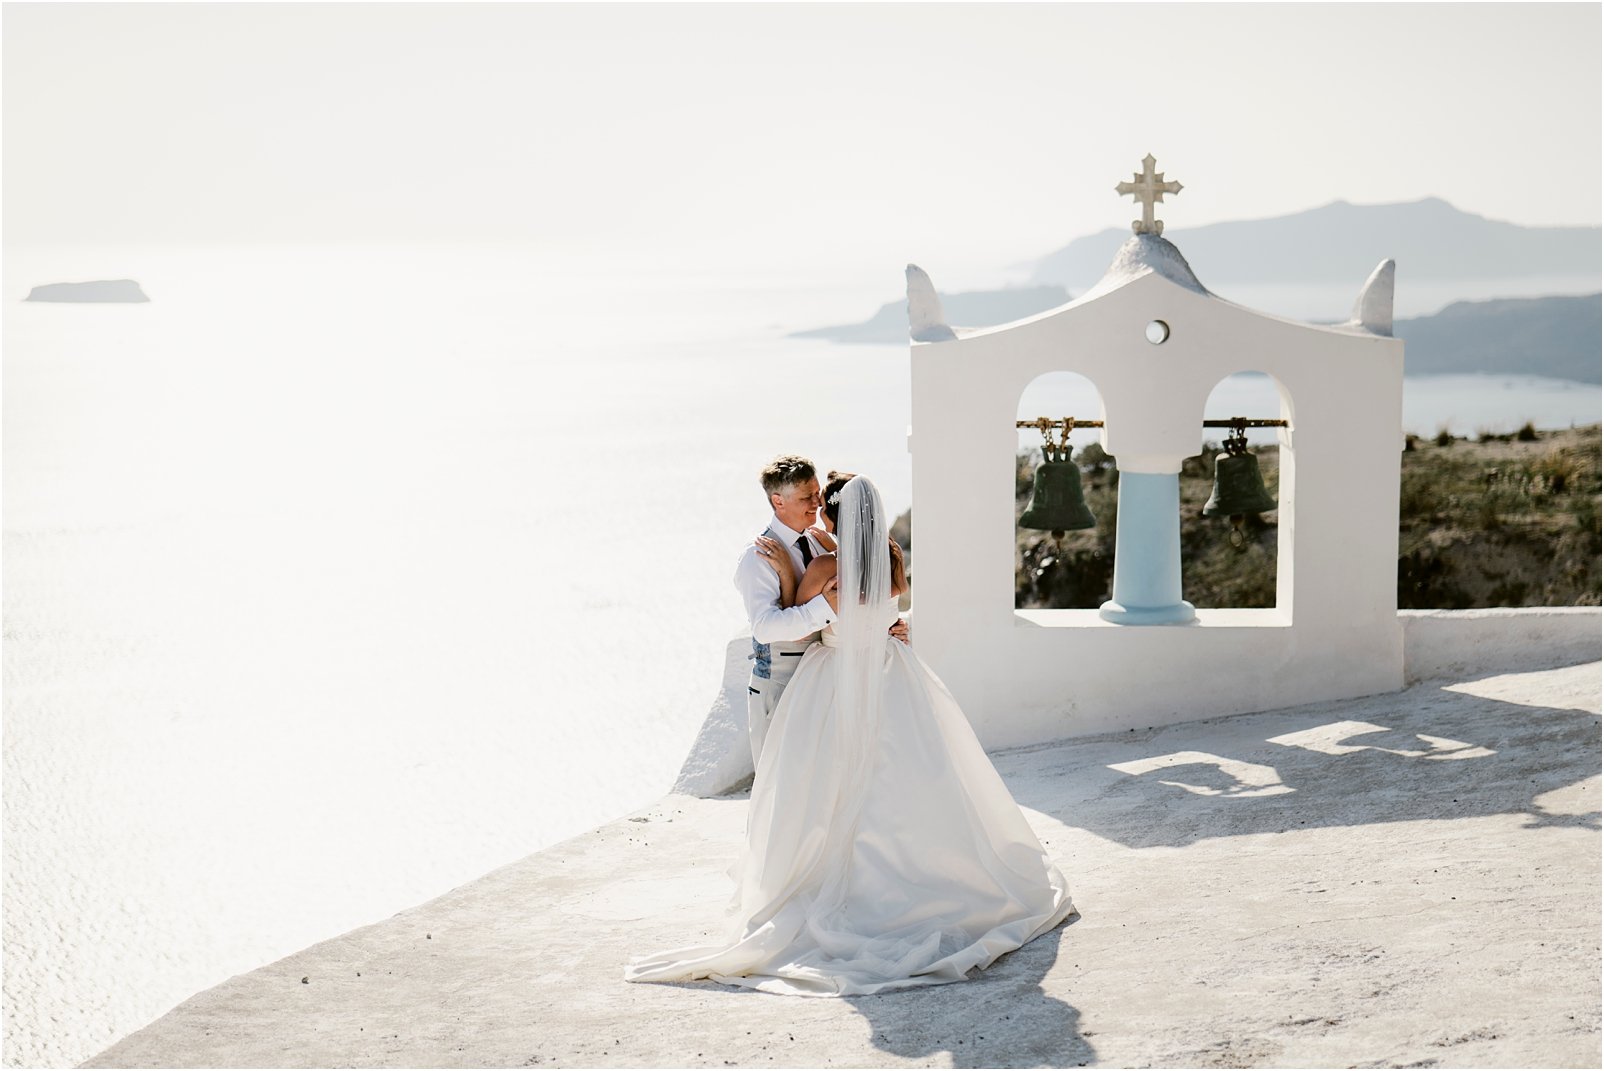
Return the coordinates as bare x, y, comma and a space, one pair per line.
1157, 331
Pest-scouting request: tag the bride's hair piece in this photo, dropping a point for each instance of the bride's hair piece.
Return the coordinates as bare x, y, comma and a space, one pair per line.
834, 483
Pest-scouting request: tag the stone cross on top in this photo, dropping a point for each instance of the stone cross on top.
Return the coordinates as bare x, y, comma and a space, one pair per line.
1148, 188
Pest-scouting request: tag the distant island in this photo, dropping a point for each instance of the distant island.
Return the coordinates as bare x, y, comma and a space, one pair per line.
1335, 247
1557, 337
99, 290
975, 308
1342, 243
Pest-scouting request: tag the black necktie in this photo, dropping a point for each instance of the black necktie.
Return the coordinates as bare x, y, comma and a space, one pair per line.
807, 551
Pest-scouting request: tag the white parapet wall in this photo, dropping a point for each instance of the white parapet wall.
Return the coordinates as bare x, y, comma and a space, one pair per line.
1462, 643
721, 758
1437, 643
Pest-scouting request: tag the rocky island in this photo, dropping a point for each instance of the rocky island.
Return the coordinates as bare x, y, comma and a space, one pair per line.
980, 308
96, 291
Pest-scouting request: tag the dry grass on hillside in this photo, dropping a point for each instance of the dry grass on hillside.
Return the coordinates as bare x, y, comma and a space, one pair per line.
1500, 521
1509, 520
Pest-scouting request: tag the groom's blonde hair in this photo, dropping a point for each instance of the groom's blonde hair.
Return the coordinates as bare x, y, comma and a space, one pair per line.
785, 472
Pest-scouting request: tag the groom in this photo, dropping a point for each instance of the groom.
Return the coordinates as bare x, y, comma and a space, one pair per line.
780, 636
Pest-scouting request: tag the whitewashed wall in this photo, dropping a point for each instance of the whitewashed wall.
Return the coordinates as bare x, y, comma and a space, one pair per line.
1033, 676
1442, 644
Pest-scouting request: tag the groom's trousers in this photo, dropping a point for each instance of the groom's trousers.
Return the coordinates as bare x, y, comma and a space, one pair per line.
763, 692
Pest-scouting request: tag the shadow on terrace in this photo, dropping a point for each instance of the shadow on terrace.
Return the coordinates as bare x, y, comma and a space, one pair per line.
1433, 751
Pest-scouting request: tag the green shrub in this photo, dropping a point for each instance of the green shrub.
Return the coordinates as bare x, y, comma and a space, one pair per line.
1557, 470
1094, 458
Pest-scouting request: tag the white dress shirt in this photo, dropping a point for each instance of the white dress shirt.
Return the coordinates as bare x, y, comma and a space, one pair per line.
759, 586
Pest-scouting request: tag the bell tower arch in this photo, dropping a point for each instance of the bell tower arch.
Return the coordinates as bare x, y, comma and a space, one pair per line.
1239, 544
1063, 549
1157, 343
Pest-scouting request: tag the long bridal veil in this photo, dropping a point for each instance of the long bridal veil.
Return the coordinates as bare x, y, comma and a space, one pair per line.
863, 573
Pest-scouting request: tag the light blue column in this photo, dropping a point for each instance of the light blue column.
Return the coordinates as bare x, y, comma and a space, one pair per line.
1147, 553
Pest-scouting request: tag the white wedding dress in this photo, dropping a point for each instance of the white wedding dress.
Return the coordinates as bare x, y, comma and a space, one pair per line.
883, 850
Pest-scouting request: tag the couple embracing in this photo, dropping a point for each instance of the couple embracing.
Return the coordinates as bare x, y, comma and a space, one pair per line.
883, 851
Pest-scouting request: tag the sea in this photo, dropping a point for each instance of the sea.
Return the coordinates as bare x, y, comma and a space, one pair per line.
337, 577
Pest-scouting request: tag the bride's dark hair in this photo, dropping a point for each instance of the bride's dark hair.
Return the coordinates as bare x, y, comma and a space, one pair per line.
832, 509
832, 494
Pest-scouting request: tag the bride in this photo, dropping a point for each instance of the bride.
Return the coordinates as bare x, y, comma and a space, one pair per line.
883, 850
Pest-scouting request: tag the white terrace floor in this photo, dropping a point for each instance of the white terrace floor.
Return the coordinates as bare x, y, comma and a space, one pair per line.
1405, 880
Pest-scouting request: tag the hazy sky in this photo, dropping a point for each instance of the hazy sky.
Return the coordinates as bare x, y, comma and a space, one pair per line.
778, 132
